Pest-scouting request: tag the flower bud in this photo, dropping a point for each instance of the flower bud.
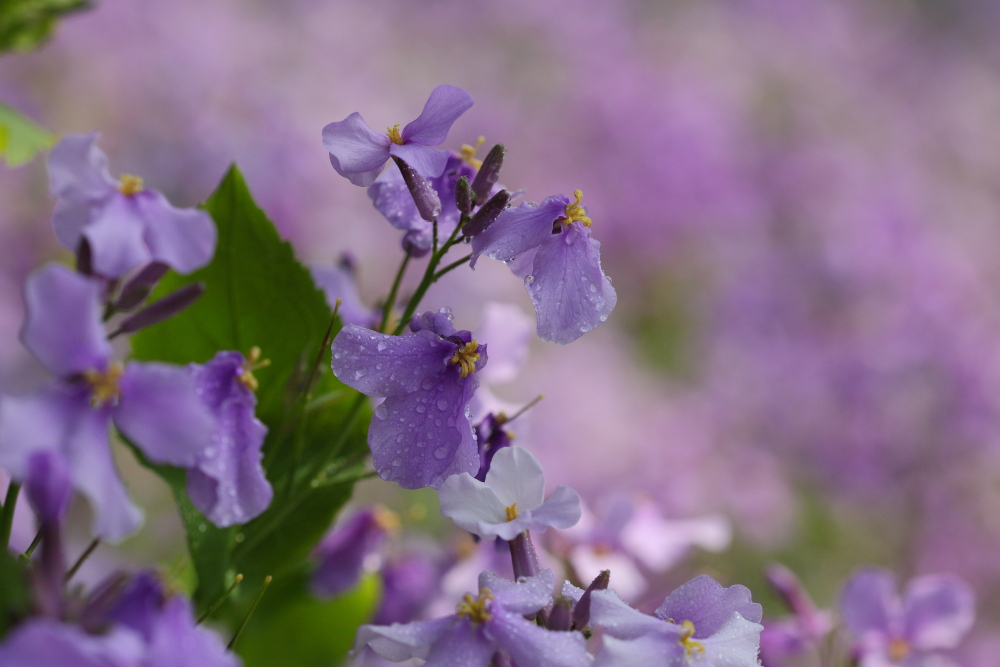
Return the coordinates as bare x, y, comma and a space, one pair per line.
581, 612
163, 309
424, 196
139, 287
488, 174
463, 195
561, 616
487, 214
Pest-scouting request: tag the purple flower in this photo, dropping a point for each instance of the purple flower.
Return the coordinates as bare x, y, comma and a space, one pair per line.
155, 405
482, 626
700, 622
551, 244
936, 611
228, 483
125, 225
421, 433
339, 282
510, 501
342, 553
785, 639
358, 153
409, 584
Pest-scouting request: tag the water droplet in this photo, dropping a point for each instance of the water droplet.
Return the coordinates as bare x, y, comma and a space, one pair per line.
593, 288
202, 527
440, 453
381, 345
427, 383
442, 404
381, 412
378, 367
421, 409
336, 355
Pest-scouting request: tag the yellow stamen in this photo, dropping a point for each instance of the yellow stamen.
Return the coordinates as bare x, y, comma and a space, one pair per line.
253, 363
466, 357
475, 609
468, 153
511, 512
575, 211
690, 645
898, 650
394, 135
104, 384
129, 184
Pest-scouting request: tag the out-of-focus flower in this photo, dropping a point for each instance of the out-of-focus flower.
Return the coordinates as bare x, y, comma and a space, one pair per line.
124, 224
510, 501
409, 584
482, 626
551, 244
421, 433
358, 153
343, 552
784, 640
340, 282
934, 614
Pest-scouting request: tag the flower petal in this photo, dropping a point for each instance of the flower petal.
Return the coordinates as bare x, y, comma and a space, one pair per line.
938, 609
517, 477
520, 597
707, 604
640, 652
161, 414
570, 291
560, 510
40, 642
402, 641
462, 645
620, 620
518, 230
532, 646
178, 641
735, 644
659, 543
509, 331
354, 148
869, 603
443, 107
79, 169
342, 554
183, 239
378, 364
337, 282
428, 162
470, 503
63, 323
115, 233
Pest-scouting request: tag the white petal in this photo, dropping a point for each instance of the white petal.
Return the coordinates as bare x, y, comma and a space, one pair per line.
469, 502
516, 477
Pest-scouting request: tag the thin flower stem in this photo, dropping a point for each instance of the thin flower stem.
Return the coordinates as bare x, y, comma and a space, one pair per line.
429, 277
34, 544
223, 598
327, 339
81, 560
524, 408
391, 299
454, 265
7, 517
253, 607
435, 227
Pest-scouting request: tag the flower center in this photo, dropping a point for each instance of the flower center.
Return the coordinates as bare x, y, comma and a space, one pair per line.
394, 135
253, 363
104, 389
129, 184
898, 649
475, 609
466, 357
691, 646
575, 211
511, 512
468, 153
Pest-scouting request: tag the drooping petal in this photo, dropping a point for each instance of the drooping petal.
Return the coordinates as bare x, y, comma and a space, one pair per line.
41, 642
869, 603
532, 646
570, 291
517, 477
354, 148
520, 597
116, 236
378, 364
392, 199
620, 620
183, 239
428, 162
471, 504
342, 554
161, 413
442, 108
734, 644
438, 322
938, 610
518, 230
178, 641
707, 604
462, 645
560, 510
640, 652
63, 323
402, 641
79, 169
139, 604
337, 282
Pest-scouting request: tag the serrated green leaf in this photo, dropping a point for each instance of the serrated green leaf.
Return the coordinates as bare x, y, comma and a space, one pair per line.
25, 24
20, 138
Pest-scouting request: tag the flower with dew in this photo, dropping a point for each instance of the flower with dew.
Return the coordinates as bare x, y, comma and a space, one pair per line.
510, 501
421, 433
125, 225
358, 153
484, 625
550, 246
935, 612
155, 405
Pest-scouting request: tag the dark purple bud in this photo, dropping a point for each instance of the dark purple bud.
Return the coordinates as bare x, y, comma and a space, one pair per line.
48, 486
500, 659
84, 257
491, 437
463, 195
523, 556
787, 586
163, 309
424, 196
348, 262
488, 174
581, 612
489, 212
139, 287
561, 616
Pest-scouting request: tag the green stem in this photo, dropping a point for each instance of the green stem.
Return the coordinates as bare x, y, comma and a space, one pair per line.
82, 559
218, 603
451, 267
33, 545
7, 518
253, 607
391, 299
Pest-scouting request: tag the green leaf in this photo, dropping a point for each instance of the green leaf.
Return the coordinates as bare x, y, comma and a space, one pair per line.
25, 24
20, 138
13, 590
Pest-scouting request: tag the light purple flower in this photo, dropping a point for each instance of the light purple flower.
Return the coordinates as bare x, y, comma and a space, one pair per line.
154, 404
125, 225
340, 282
358, 153
935, 612
228, 483
551, 244
483, 625
421, 433
342, 553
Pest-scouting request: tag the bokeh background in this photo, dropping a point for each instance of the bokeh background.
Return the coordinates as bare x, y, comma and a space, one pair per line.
798, 202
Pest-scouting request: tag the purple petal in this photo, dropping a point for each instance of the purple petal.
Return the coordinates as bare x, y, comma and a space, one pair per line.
183, 239
442, 109
561, 510
44, 643
708, 605
462, 645
570, 291
869, 603
509, 331
138, 607
178, 642
735, 644
337, 282
520, 597
421, 438
48, 485
69, 219
354, 148
63, 323
342, 554
474, 507
532, 646
648, 650
439, 322
519, 229
392, 199
409, 584
428, 162
79, 169
399, 641
115, 233
938, 610
378, 364
162, 415
620, 620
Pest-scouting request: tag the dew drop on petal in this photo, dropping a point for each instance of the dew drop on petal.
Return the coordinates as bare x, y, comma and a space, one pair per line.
381, 412
427, 383
442, 404
440, 453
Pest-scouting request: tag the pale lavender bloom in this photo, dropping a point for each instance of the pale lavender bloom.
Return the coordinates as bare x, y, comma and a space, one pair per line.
344, 550
340, 282
551, 243
510, 501
358, 153
125, 225
482, 626
228, 483
784, 640
934, 614
154, 404
421, 433
409, 584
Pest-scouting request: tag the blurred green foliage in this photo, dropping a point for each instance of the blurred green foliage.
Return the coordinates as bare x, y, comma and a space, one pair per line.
20, 138
25, 24
13, 590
